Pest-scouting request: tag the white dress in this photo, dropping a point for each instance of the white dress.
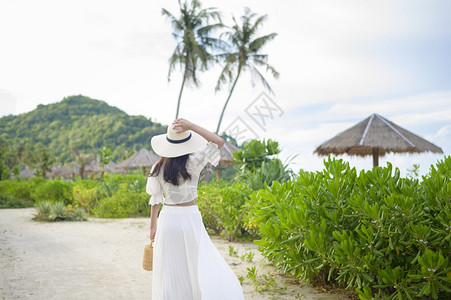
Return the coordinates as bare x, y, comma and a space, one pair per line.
187, 265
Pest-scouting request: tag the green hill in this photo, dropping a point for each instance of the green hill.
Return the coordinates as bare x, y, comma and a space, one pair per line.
77, 122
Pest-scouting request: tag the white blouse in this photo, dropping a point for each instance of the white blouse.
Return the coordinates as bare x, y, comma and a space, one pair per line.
165, 192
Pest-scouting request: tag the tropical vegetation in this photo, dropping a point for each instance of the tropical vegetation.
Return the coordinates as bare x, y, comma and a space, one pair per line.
386, 236
373, 231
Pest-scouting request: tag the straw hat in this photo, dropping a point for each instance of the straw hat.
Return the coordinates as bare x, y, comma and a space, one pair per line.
173, 144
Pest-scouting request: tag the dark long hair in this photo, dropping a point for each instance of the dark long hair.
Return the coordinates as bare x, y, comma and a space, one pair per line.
172, 169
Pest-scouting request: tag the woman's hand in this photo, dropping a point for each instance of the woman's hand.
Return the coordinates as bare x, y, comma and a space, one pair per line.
181, 125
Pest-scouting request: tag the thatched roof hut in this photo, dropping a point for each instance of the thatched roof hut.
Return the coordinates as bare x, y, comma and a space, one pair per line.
94, 167
27, 173
226, 153
143, 159
65, 171
376, 136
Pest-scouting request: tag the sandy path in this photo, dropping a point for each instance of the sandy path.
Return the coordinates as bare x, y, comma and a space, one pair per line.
101, 259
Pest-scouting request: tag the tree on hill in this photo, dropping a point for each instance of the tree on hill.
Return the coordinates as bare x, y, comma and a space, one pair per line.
105, 156
4, 170
83, 160
42, 160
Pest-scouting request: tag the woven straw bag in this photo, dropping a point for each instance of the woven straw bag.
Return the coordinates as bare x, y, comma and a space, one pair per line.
148, 257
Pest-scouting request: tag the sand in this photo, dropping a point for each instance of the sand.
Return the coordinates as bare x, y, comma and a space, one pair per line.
102, 259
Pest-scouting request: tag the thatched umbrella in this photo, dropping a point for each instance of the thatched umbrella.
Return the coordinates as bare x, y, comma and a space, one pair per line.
95, 167
65, 171
376, 136
226, 153
143, 159
112, 167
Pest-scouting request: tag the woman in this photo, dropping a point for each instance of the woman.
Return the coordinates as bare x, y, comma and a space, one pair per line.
187, 265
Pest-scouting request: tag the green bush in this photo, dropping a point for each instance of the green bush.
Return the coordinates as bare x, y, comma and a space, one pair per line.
112, 183
115, 189
124, 203
383, 235
222, 205
10, 202
122, 196
20, 189
271, 170
55, 191
85, 197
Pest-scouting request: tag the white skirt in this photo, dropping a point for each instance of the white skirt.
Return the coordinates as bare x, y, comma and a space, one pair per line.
187, 265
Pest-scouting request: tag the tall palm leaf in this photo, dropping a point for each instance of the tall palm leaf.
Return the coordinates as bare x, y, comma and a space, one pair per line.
245, 55
192, 31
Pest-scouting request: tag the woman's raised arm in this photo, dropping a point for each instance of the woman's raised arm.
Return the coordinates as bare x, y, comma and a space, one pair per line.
181, 125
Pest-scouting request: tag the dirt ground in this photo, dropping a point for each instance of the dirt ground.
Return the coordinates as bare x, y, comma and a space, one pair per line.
102, 259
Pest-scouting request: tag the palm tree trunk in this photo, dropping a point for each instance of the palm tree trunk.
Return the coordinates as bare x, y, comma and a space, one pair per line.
227, 101
181, 90
82, 171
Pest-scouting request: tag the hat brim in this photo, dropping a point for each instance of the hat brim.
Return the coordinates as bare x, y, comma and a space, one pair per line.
162, 147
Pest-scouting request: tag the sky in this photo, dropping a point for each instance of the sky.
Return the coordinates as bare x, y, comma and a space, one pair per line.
339, 62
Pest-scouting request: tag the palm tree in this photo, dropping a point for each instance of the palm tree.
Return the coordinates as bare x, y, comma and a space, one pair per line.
192, 31
83, 160
105, 156
43, 160
246, 54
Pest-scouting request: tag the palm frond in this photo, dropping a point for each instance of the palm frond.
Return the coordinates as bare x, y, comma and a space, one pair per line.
176, 59
227, 72
255, 73
260, 42
258, 22
217, 43
177, 26
206, 30
269, 68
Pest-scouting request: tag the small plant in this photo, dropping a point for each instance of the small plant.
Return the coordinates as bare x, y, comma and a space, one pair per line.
58, 212
43, 210
248, 256
414, 172
232, 251
268, 283
263, 282
51, 212
252, 274
79, 214
241, 279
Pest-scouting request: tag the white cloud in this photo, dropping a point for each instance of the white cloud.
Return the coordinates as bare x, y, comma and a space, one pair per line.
7, 103
405, 109
442, 138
